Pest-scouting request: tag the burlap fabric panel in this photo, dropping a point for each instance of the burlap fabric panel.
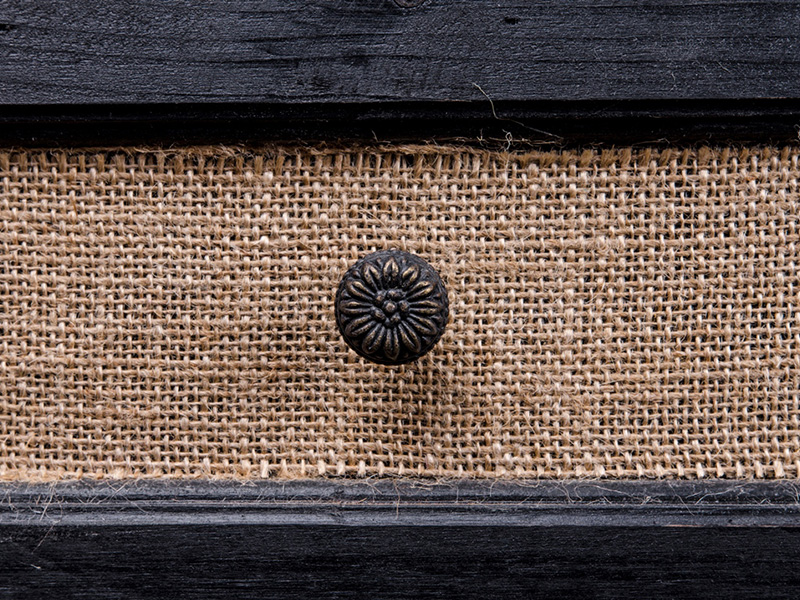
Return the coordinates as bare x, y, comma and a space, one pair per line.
624, 313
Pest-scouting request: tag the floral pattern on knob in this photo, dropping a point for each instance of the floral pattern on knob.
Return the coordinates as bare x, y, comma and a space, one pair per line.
391, 307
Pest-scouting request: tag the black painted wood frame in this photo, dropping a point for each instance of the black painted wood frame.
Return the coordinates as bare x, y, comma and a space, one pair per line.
400, 539
494, 74
508, 71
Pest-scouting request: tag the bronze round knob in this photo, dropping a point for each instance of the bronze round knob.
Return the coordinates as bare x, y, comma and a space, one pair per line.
391, 307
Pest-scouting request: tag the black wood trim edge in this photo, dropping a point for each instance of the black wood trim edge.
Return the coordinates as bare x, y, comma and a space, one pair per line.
400, 539
483, 123
396, 503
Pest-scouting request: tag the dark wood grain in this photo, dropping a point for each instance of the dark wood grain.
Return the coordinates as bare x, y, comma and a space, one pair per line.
256, 561
499, 74
400, 540
270, 51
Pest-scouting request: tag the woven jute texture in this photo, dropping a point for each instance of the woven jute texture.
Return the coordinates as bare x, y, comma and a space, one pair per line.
620, 313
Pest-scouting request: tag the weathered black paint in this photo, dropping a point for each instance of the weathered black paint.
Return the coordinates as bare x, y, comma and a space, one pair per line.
150, 51
487, 73
237, 561
502, 125
400, 540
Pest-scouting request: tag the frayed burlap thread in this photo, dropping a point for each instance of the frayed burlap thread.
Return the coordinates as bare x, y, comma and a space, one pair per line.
618, 313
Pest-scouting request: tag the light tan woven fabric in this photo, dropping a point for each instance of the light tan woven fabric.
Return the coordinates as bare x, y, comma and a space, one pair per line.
613, 314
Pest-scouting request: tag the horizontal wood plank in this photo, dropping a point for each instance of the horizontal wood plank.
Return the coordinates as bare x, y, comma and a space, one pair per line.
267, 51
323, 539
256, 561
